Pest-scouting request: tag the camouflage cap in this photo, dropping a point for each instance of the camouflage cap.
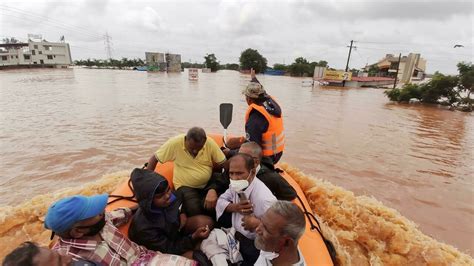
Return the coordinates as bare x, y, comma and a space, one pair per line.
253, 90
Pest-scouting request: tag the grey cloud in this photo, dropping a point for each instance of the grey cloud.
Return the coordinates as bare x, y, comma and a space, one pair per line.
280, 30
347, 11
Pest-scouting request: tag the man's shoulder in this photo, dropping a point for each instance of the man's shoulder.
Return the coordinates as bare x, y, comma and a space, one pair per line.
210, 142
177, 140
263, 190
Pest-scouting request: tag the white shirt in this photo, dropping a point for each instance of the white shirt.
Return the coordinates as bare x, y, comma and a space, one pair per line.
259, 195
261, 261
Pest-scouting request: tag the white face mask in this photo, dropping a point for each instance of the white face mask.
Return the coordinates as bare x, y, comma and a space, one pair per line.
268, 255
239, 185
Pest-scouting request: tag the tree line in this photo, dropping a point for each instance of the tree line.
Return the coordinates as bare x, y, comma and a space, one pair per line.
124, 62
249, 58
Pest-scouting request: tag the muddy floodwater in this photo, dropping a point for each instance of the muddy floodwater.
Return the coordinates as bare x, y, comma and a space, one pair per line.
63, 128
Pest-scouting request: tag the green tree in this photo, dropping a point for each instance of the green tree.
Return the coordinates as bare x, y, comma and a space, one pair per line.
211, 62
301, 67
11, 40
232, 66
251, 58
373, 70
280, 67
322, 63
464, 88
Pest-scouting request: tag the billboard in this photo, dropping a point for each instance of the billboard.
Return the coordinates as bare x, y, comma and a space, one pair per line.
337, 75
193, 74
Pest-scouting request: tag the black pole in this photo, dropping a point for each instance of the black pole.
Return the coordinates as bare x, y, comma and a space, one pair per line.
398, 67
347, 64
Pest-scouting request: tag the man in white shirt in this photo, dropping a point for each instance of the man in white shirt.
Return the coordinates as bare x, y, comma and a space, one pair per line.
281, 227
247, 198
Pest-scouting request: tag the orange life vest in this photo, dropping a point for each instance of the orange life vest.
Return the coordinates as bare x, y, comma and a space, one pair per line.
273, 140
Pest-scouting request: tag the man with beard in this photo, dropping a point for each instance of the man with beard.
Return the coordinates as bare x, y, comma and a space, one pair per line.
278, 234
87, 232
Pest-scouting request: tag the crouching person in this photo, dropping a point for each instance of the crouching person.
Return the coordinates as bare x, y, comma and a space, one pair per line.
87, 232
158, 224
247, 199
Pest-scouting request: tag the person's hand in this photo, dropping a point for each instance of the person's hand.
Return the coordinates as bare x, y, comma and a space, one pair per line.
182, 220
211, 199
201, 232
252, 73
250, 222
234, 143
244, 207
226, 152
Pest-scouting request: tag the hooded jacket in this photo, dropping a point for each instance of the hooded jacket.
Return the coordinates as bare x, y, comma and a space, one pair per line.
156, 228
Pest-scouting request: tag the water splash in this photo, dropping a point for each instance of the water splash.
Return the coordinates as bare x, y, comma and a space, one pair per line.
364, 231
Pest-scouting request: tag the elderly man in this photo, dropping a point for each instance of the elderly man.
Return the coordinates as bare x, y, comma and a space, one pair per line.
267, 174
281, 227
264, 120
87, 232
195, 156
247, 199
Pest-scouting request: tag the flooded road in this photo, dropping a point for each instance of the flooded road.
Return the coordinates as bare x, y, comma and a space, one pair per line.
62, 128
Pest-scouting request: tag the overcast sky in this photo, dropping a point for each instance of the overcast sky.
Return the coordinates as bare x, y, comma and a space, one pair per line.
279, 30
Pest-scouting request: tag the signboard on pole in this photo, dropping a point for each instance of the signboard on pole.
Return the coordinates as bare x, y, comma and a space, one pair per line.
337, 75
193, 74
35, 36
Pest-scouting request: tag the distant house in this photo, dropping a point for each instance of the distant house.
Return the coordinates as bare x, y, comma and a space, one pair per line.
35, 54
163, 62
412, 67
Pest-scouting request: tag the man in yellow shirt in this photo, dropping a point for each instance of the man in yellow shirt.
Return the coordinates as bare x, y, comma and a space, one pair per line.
195, 156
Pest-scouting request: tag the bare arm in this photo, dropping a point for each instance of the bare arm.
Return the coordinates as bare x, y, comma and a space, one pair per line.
152, 163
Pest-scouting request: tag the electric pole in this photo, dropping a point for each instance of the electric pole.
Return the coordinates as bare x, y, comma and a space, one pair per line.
398, 67
108, 45
348, 58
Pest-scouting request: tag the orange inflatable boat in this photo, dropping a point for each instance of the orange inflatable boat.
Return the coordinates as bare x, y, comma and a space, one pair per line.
311, 244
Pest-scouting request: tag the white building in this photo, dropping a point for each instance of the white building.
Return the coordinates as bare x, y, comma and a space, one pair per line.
35, 54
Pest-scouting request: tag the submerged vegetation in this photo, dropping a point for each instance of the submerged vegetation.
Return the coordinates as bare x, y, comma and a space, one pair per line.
454, 91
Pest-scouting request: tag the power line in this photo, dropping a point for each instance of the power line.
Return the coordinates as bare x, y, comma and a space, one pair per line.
53, 25
30, 16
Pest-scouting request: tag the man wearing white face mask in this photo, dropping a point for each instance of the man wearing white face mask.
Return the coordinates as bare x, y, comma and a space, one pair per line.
278, 233
247, 198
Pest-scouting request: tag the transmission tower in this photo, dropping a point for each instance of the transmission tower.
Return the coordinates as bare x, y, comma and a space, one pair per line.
108, 45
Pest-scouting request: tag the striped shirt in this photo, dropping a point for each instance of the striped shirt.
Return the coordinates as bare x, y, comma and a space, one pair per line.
114, 249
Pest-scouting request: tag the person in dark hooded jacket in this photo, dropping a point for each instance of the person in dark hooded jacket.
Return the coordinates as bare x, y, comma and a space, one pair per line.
158, 224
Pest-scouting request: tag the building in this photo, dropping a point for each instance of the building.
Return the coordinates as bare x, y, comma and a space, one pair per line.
163, 62
412, 67
35, 54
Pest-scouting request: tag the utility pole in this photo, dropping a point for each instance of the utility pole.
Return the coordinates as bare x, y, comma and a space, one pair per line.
108, 45
398, 67
348, 58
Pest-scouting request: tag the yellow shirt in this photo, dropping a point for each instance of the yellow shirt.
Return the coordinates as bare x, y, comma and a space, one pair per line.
190, 171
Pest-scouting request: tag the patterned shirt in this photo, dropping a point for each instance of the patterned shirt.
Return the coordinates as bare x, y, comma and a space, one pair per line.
114, 249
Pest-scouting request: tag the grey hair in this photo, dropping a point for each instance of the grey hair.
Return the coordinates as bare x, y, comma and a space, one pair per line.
255, 149
197, 134
294, 217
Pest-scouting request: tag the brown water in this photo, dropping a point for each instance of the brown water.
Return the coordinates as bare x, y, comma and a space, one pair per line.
62, 128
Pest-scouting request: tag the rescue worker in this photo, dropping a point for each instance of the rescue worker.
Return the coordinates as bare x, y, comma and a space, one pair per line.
263, 120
